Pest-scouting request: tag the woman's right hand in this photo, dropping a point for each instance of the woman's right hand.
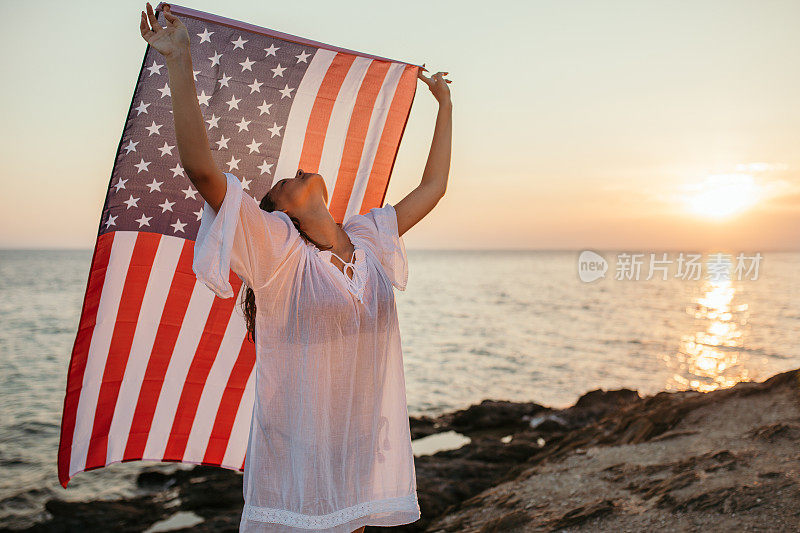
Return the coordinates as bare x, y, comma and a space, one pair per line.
437, 84
169, 41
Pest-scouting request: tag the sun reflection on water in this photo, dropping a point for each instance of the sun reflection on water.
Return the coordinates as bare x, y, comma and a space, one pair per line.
714, 357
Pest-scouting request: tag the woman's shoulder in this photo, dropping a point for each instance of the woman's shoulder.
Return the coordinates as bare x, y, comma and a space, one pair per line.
378, 229
362, 228
375, 220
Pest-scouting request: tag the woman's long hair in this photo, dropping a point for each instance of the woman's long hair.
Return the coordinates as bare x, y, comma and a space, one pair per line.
249, 296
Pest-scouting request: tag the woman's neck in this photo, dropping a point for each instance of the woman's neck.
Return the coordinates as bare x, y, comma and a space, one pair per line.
321, 228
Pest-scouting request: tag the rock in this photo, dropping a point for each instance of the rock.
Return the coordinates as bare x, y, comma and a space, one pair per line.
549, 424
507, 521
602, 400
627, 468
687, 461
491, 414
773, 432
733, 499
581, 514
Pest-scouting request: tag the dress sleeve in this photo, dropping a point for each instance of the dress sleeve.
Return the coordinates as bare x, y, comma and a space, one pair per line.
241, 237
391, 249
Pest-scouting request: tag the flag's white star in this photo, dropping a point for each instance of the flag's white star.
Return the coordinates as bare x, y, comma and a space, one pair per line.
142, 165
223, 143
205, 36
142, 108
254, 146
203, 98
155, 68
247, 65
255, 86
190, 193
177, 170
215, 58
286, 91
111, 221
264, 108
238, 43
165, 90
265, 167
131, 202
243, 125
223, 81
233, 163
271, 50
143, 221
195, 73
155, 186
131, 146
120, 184
278, 71
233, 102
303, 57
153, 129
246, 184
199, 213
166, 149
275, 130
213, 121
166, 206
178, 226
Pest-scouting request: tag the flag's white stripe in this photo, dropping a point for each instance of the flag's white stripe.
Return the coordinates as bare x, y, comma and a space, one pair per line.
295, 132
214, 387
376, 123
155, 297
339, 123
117, 271
240, 433
194, 323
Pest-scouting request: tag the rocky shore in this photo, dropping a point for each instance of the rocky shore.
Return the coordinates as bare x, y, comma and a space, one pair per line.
727, 460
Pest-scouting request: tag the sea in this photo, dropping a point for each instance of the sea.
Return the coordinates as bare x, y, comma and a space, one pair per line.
543, 326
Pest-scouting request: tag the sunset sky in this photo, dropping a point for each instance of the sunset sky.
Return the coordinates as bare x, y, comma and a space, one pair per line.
605, 125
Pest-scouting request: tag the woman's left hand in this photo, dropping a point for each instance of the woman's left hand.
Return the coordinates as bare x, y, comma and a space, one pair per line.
437, 84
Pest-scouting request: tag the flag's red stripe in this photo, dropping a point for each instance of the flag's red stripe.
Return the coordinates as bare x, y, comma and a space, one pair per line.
356, 135
204, 356
80, 351
180, 293
144, 252
390, 139
320, 115
229, 404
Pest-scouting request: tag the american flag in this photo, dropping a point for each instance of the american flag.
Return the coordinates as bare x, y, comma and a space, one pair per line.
161, 369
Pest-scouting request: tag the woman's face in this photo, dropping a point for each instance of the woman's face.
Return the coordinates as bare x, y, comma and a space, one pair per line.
289, 194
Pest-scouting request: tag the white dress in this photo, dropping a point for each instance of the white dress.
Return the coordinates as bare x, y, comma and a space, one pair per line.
330, 443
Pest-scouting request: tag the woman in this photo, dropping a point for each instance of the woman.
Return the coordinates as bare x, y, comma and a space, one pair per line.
329, 446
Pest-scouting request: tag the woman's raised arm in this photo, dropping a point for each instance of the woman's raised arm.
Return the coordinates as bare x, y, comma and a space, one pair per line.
427, 194
190, 131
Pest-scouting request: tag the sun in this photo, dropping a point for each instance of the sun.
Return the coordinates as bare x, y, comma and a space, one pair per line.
722, 195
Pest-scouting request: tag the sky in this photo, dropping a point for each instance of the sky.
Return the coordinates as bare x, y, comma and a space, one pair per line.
644, 126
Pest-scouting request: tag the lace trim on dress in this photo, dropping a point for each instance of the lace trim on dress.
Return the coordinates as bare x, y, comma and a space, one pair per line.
342, 516
358, 270
357, 267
